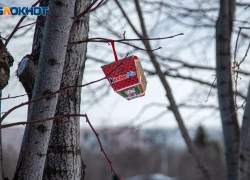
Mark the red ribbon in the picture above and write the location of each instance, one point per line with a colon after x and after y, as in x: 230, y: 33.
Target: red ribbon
x: 113, y: 47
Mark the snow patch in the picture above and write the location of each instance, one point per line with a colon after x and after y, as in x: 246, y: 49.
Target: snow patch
x: 156, y: 176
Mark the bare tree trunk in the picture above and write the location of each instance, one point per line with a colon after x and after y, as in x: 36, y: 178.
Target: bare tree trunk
x: 48, y: 79
x: 224, y: 83
x: 167, y: 88
x: 244, y: 157
x: 27, y: 68
x: 64, y: 155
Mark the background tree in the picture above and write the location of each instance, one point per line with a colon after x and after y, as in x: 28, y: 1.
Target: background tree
x: 200, y: 139
x: 230, y: 125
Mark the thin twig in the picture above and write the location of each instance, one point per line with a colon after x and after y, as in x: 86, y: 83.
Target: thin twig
x: 124, y: 41
x: 245, y: 55
x: 102, y: 150
x: 100, y: 39
x: 244, y: 27
x: 3, y: 38
x: 88, y: 10
x: 124, y: 33
x: 128, y: 20
x: 36, y: 22
x: 43, y: 97
x: 33, y: 121
x: 13, y: 97
x: 237, y: 64
x: 93, y: 9
x: 236, y: 90
x: 148, y: 50
x: 62, y: 118
x: 235, y: 49
x: 211, y: 89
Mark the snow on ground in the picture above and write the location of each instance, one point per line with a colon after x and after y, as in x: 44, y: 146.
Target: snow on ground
x: 156, y: 176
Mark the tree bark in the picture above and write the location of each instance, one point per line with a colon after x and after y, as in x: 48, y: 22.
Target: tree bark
x: 244, y: 155
x: 27, y: 69
x: 48, y: 79
x: 6, y: 61
x: 64, y: 155
x: 224, y: 84
x: 26, y: 73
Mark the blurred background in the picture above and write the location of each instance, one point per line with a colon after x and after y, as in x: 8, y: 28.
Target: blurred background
x: 141, y: 136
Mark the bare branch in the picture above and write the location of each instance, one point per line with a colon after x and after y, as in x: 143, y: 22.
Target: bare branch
x: 44, y: 97
x: 105, y: 40
x: 211, y: 89
x: 13, y: 97
x: 88, y: 9
x: 98, y: 5
x: 124, y: 41
x: 53, y: 93
x: 144, y: 108
x: 245, y: 55
x: 102, y: 150
x: 63, y: 118
x: 128, y: 20
x: 36, y: 22
x: 235, y: 49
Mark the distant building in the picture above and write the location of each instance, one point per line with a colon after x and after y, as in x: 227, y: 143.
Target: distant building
x: 111, y: 137
x: 120, y: 137
x: 154, y: 137
x: 123, y: 137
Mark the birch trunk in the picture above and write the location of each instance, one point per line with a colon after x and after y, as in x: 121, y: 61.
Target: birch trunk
x: 244, y: 157
x: 27, y: 70
x: 64, y: 155
x: 224, y: 83
x: 50, y: 67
